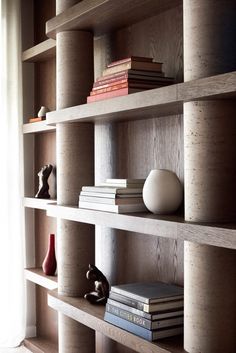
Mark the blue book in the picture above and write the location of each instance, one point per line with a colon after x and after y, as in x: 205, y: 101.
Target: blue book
x: 141, y: 331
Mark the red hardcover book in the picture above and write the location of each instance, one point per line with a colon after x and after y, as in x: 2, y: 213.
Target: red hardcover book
x: 34, y: 120
x: 131, y: 81
x: 131, y: 58
x: 113, y: 83
x: 138, y: 85
x: 109, y: 88
x: 112, y: 94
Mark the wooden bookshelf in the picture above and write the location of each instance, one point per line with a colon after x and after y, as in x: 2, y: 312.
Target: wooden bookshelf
x: 111, y: 15
x: 40, y: 345
x: 92, y: 316
x: 37, y: 276
x: 40, y: 52
x: 40, y: 204
x: 157, y: 102
x: 173, y: 227
x: 39, y: 126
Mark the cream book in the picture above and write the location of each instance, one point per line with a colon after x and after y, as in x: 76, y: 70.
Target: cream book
x: 113, y: 189
x: 113, y: 208
x: 109, y: 201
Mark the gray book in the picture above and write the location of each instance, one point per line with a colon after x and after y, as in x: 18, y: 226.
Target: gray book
x: 150, y: 292
x: 158, y: 315
x: 148, y: 308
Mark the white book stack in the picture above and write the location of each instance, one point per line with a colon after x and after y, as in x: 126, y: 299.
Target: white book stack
x: 115, y: 195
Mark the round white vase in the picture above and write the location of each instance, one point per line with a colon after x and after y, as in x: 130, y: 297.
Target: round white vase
x: 162, y: 191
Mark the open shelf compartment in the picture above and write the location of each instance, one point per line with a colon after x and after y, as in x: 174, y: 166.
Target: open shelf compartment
x: 170, y: 226
x: 148, y: 104
x: 92, y: 316
x: 101, y: 16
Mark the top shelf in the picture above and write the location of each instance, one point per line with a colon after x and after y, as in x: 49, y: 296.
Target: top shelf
x: 101, y: 16
x: 149, y: 104
x: 40, y: 52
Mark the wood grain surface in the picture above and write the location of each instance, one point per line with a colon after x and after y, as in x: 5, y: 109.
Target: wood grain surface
x: 40, y: 52
x: 111, y: 15
x: 131, y: 150
x: 92, y: 316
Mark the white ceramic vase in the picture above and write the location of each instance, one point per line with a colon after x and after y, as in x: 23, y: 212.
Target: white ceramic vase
x: 42, y: 112
x: 162, y: 191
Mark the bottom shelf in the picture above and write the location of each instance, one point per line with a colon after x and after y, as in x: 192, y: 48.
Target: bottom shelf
x: 92, y: 316
x: 40, y: 345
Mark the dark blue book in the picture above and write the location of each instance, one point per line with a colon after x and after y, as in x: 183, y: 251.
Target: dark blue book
x: 141, y: 331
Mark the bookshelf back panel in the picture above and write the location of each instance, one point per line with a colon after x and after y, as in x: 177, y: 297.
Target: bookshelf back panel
x: 132, y: 149
x: 45, y: 84
x: 43, y: 11
x: 47, y: 320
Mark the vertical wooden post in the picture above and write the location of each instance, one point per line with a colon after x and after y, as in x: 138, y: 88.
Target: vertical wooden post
x: 75, y: 167
x: 210, y: 169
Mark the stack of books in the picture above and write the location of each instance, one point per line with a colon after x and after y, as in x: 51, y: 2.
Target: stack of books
x: 115, y: 195
x: 127, y: 76
x: 149, y: 310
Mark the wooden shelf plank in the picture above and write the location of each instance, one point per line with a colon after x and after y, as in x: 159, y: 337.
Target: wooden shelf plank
x: 92, y: 316
x: 40, y: 52
x: 170, y: 226
x: 40, y: 345
x: 39, y: 126
x: 149, y: 104
x: 37, y: 276
x: 40, y: 204
x: 101, y: 16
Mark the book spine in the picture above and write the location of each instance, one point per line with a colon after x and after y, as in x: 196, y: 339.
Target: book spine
x: 129, y: 309
x: 115, y: 75
x: 110, y: 82
x: 128, y: 326
x: 34, y: 120
x: 109, y: 89
x: 138, y: 320
x: 112, y: 94
x: 132, y: 58
x: 127, y: 301
x: 134, y: 65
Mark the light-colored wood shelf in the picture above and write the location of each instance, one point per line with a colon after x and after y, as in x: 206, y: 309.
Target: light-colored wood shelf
x: 170, y: 226
x: 40, y: 204
x: 39, y: 126
x: 40, y: 52
x: 40, y: 345
x: 36, y: 275
x: 92, y: 316
x: 149, y: 104
x: 101, y: 16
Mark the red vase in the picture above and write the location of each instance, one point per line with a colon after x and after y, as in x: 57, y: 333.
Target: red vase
x: 50, y: 263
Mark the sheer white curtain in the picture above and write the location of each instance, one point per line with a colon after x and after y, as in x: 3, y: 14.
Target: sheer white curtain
x: 12, y: 307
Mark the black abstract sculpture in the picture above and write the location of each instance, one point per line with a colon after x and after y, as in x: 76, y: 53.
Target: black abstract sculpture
x: 101, y: 292
x: 43, y: 174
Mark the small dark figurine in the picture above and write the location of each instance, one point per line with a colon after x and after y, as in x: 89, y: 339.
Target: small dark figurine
x: 43, y: 174
x: 101, y: 293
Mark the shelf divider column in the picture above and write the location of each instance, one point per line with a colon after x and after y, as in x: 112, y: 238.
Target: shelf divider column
x: 75, y: 167
x: 210, y: 168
